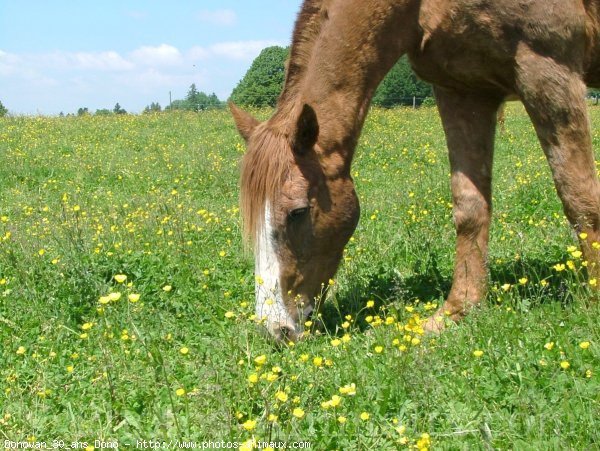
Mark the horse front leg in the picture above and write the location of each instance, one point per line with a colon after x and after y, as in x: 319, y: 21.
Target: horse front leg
x: 469, y: 124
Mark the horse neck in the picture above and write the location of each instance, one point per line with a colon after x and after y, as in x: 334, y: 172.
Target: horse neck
x: 358, y: 42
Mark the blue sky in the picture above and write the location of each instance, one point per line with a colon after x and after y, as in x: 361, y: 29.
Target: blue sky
x: 58, y: 55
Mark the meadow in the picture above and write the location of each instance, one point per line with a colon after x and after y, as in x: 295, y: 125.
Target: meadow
x: 126, y: 297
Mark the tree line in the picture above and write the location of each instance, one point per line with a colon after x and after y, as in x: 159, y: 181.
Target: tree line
x: 263, y: 82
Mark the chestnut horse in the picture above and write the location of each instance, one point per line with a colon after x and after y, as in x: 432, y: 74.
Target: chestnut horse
x: 297, y: 196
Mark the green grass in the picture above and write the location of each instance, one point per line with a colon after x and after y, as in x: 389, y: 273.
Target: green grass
x: 155, y: 198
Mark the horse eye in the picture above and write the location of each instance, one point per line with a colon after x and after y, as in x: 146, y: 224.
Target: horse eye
x: 297, y: 213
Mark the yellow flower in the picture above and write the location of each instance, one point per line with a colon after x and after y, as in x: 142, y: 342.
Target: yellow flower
x: 365, y: 416
x: 281, y: 396
x: 70, y: 368
x: 336, y: 342
x: 523, y: 280
x: 583, y: 235
x: 424, y: 442
x: 222, y: 254
x: 506, y: 287
x: 272, y: 377
x: 104, y: 300
x: 565, y: 365
x: 318, y: 361
x: 87, y: 326
x: 584, y: 344
x: 253, y: 378
x: 114, y: 296
x: 133, y: 297
x: 341, y: 419
x: 588, y: 373
x: 478, y: 353
x: 548, y: 346
x: 180, y: 391
x: 298, y: 412
x: 249, y: 425
x: 331, y: 282
x: 184, y: 350
x: 272, y: 418
x: 326, y: 404
x: 21, y: 350
x: 346, y: 338
x: 120, y: 278
x: 378, y: 349
x: 576, y: 254
x: 229, y: 315
x: 167, y: 288
x: 260, y: 360
x: 335, y: 401
x: 349, y: 389
x: 370, y: 304
x: 593, y: 282
x: 559, y: 267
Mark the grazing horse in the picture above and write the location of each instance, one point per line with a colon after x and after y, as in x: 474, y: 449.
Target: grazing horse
x: 297, y: 196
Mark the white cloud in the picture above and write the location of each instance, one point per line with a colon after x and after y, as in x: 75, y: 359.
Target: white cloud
x: 198, y: 53
x: 63, y: 81
x: 222, y: 17
x: 104, y: 61
x: 8, y: 63
x: 163, y: 55
x: 99, y: 61
x: 240, y: 50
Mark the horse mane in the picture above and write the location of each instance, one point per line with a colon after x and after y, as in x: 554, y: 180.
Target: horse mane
x: 267, y: 162
x: 265, y: 167
x: 306, y: 31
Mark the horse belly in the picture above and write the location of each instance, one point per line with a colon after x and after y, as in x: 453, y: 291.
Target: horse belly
x: 473, y: 44
x: 457, y: 64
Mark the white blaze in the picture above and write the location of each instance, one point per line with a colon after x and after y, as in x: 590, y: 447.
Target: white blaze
x: 269, y: 298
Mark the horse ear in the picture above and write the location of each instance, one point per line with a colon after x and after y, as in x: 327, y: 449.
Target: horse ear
x: 244, y: 122
x: 307, y: 130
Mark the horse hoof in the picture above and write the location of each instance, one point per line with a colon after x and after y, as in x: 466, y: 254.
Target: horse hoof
x: 435, y: 325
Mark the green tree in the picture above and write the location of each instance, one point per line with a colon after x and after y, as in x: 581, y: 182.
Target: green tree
x: 195, y: 101
x: 3, y: 110
x: 83, y: 111
x: 400, y: 86
x: 103, y: 112
x: 118, y: 109
x: 178, y: 104
x: 198, y: 100
x: 154, y: 107
x: 264, y: 80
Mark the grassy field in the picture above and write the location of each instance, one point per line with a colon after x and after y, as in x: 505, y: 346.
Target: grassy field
x: 126, y: 299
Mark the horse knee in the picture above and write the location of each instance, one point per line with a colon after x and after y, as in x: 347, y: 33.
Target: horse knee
x: 471, y: 214
x: 582, y: 206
